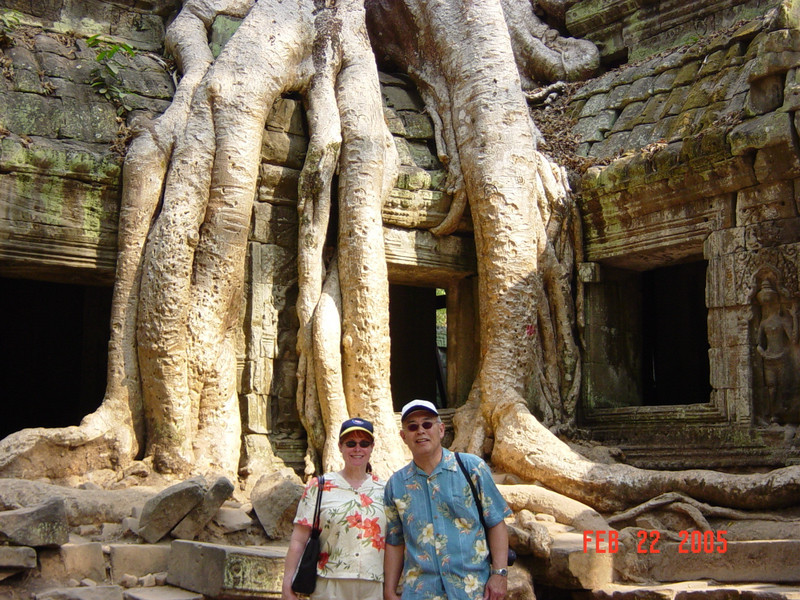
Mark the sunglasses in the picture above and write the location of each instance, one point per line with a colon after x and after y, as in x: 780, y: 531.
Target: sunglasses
x: 362, y: 443
x: 425, y: 425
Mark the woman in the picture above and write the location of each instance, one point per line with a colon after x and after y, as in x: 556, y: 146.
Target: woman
x: 352, y: 521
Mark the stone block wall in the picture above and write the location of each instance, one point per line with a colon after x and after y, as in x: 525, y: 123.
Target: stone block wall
x: 140, y: 23
x: 628, y: 30
x: 59, y: 171
x: 702, y: 163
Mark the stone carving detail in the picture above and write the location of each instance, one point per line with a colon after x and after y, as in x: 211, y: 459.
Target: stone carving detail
x: 777, y: 350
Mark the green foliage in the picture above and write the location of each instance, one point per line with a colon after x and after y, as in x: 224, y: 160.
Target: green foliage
x: 106, y: 79
x: 9, y: 21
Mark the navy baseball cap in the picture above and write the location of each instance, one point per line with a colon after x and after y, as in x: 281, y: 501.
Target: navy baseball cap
x: 356, y: 424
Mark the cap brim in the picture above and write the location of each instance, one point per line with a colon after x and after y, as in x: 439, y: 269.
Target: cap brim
x: 417, y: 409
x: 352, y: 429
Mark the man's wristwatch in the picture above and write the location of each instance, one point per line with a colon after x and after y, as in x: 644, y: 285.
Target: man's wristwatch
x: 503, y: 572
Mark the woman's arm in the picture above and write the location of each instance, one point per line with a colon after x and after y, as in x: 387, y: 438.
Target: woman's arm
x: 297, y: 544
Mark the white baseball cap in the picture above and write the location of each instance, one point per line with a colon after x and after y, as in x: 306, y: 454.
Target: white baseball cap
x: 415, y: 405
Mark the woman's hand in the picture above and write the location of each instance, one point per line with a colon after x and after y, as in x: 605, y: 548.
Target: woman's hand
x: 297, y: 544
x: 288, y: 594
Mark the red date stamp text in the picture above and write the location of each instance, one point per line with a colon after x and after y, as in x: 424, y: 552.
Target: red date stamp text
x: 648, y: 541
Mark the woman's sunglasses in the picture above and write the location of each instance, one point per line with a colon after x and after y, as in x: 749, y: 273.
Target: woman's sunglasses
x: 362, y: 443
x: 425, y: 425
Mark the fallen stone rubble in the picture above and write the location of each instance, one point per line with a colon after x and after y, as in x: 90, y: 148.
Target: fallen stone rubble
x: 59, y: 543
x: 193, y: 540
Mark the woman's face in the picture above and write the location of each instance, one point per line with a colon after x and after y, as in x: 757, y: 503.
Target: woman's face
x: 357, y: 455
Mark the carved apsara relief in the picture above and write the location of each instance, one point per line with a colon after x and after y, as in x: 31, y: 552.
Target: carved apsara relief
x: 776, y: 360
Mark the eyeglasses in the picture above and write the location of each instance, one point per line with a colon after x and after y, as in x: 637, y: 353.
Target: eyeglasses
x: 425, y: 425
x: 362, y: 443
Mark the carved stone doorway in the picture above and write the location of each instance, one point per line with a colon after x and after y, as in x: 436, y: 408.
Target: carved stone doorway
x: 647, y: 337
x: 675, y: 368
x: 412, y: 323
x: 433, y: 357
x: 54, y: 344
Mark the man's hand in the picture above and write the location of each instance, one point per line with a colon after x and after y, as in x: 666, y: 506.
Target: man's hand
x: 392, y: 568
x: 496, y: 588
x: 390, y: 595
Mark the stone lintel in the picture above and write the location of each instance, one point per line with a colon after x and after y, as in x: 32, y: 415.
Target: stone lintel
x: 661, y: 217
x: 64, y: 261
x: 220, y: 571
x: 421, y: 258
x: 415, y: 208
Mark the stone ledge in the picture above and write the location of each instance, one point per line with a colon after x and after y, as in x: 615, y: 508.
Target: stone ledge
x: 222, y: 571
x: 689, y: 590
x: 765, y: 561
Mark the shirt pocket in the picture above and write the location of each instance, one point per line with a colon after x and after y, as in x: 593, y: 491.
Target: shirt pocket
x: 465, y: 513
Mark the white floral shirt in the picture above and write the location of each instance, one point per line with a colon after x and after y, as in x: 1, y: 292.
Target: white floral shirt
x: 353, y: 527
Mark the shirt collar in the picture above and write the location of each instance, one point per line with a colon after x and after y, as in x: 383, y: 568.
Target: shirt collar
x: 448, y: 463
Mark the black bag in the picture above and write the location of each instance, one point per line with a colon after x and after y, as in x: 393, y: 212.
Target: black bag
x: 305, y: 577
x: 512, y: 556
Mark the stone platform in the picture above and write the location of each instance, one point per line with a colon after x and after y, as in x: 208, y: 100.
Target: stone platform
x: 693, y: 590
x: 187, y: 570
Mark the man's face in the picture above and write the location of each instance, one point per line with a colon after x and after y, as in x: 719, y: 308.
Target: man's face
x: 419, y: 439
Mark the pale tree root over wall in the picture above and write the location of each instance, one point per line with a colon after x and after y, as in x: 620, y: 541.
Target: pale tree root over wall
x: 189, y: 186
x: 189, y: 183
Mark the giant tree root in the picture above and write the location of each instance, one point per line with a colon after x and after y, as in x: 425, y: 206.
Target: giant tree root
x: 523, y: 446
x: 541, y: 500
x: 697, y: 511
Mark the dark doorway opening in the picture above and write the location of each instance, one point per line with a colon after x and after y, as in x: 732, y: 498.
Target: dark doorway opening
x: 415, y: 370
x: 675, y: 366
x: 54, y: 342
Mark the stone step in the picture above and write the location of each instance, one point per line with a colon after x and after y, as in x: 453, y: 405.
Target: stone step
x: 100, y: 592
x: 764, y: 561
x: 569, y: 566
x: 197, y: 570
x: 692, y: 590
x: 162, y: 592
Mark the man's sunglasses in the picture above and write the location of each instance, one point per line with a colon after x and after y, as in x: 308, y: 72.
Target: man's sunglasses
x: 362, y: 443
x: 425, y: 425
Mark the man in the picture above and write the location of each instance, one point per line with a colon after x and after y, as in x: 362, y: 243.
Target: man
x: 433, y: 531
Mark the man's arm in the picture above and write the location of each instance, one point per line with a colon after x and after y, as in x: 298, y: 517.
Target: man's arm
x: 497, y: 585
x: 392, y: 568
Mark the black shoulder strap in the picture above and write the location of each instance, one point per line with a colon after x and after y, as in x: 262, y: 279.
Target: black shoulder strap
x: 474, y: 491
x: 315, y: 528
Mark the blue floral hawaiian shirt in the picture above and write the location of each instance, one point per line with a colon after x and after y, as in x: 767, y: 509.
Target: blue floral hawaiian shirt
x: 436, y: 518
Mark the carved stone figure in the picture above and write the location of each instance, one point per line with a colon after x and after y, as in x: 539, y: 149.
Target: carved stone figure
x: 777, y: 355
